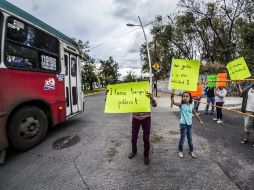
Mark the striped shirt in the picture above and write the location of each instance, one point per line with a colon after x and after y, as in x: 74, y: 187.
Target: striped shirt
x: 143, y: 115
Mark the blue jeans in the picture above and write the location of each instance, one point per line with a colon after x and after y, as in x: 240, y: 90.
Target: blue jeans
x: 196, y: 106
x: 210, y: 100
x: 185, y: 129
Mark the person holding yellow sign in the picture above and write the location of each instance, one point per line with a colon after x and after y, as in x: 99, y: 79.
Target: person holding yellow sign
x: 133, y: 98
x: 247, y: 107
x: 143, y: 119
x: 186, y: 111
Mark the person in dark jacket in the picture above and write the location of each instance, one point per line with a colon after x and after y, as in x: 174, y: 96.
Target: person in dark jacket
x: 210, y: 99
x: 247, y: 107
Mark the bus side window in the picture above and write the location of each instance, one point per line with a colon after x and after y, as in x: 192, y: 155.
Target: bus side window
x: 66, y: 65
x: 20, y: 57
x: 73, y: 67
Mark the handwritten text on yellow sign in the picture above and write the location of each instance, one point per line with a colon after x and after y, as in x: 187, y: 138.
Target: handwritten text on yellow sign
x: 128, y: 97
x: 185, y: 74
x: 238, y: 69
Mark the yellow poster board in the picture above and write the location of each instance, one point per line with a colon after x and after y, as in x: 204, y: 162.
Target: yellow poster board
x: 128, y: 97
x: 184, y: 74
x: 238, y: 69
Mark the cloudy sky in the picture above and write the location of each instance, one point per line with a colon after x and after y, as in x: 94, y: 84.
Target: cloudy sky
x: 102, y: 21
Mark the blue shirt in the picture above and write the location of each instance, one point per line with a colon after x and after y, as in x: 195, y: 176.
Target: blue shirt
x: 186, y: 114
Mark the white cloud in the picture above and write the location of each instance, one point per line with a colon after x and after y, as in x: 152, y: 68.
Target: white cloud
x: 124, y: 72
x: 98, y: 21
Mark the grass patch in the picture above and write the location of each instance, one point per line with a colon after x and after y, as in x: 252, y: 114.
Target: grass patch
x: 93, y: 91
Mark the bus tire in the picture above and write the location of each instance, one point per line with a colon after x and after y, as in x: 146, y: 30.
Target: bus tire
x: 27, y: 128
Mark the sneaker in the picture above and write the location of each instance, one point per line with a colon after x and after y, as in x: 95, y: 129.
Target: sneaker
x: 215, y: 119
x: 193, y: 155
x: 180, y: 154
x: 219, y: 121
x: 211, y: 113
x: 206, y: 113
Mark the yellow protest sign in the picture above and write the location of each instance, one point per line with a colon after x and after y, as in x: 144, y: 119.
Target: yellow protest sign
x: 128, y: 97
x: 184, y: 74
x: 238, y: 69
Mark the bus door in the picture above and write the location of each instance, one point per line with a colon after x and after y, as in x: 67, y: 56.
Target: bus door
x: 71, y: 91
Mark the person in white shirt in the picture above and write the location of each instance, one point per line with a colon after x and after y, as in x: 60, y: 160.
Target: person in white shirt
x: 247, y: 107
x: 220, y: 94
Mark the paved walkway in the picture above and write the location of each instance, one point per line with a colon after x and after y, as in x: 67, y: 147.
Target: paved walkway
x: 230, y: 102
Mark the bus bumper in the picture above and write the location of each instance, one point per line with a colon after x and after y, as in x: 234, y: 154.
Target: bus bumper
x: 3, y: 134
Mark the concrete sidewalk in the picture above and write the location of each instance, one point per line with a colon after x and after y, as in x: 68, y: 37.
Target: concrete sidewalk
x: 164, y: 101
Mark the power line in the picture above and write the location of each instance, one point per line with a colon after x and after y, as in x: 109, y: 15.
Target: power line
x: 126, y: 33
x: 114, y: 38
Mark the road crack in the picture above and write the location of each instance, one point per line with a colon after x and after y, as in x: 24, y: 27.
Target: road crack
x: 79, y: 172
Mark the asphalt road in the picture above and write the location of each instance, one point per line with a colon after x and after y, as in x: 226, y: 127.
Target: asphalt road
x: 100, y: 159
x: 235, y: 159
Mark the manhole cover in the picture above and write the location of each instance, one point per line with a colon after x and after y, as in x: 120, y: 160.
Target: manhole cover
x: 65, y: 142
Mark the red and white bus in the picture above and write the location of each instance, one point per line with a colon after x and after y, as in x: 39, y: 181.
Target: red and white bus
x: 40, y: 78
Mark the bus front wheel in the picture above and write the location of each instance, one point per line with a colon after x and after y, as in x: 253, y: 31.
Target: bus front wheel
x: 27, y: 128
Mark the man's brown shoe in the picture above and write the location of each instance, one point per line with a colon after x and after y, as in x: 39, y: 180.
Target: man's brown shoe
x: 132, y: 154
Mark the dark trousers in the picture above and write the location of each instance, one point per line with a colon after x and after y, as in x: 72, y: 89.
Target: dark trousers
x: 219, y: 110
x: 146, y: 125
x: 210, y: 100
x: 185, y: 129
x: 196, y: 106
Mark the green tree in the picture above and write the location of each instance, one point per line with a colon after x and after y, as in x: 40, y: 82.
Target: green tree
x: 219, y: 18
x: 88, y: 73
x: 89, y: 76
x: 108, y: 72
x: 82, y: 49
x: 130, y: 77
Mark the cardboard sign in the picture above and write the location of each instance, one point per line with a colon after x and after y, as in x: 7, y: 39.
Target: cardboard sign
x: 128, y: 97
x: 221, y: 77
x: 185, y: 74
x: 238, y: 69
x: 198, y: 92
x: 211, y: 77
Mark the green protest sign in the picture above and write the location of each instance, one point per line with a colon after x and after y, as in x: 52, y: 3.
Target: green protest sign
x: 238, y: 69
x: 185, y: 74
x: 211, y: 77
x: 128, y: 97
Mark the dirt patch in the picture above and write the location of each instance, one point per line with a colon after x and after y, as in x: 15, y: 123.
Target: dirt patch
x: 172, y: 132
x: 112, y: 149
x: 156, y: 138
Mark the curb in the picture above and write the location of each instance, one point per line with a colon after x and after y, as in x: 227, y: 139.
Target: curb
x: 85, y: 95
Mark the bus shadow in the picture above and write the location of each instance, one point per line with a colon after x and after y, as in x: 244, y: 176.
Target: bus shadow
x: 53, y: 131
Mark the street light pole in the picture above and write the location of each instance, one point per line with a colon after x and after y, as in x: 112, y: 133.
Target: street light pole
x: 149, y: 58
